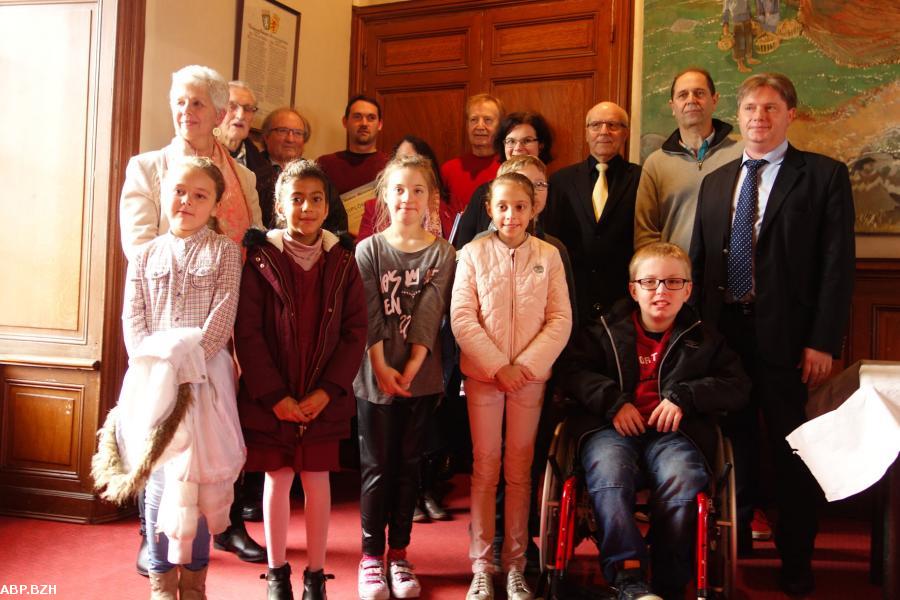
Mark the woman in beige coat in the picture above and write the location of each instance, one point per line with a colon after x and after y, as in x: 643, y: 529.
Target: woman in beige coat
x: 198, y: 98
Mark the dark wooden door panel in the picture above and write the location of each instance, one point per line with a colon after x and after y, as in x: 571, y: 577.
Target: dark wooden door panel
x: 434, y: 114
x: 563, y: 102
x: 424, y: 57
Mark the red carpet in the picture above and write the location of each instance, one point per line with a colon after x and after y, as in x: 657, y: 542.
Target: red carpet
x: 88, y: 562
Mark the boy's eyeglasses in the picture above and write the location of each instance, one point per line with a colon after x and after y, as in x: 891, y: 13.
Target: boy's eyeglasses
x: 652, y: 283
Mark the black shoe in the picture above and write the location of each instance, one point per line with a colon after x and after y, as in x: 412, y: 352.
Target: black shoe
x: 279, y: 583
x: 435, y: 511
x: 314, y: 584
x: 235, y: 539
x: 142, y: 564
x: 796, y: 582
x: 631, y: 585
x: 252, y: 511
x: 532, y: 558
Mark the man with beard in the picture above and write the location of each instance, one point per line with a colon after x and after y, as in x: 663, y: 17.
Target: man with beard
x: 361, y: 161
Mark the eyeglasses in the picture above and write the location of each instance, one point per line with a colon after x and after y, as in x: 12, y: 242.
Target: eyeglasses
x: 513, y: 142
x: 541, y: 186
x: 652, y: 283
x: 248, y: 108
x: 611, y: 126
x: 284, y: 131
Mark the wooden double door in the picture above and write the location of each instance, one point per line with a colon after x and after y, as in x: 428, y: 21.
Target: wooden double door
x: 422, y: 59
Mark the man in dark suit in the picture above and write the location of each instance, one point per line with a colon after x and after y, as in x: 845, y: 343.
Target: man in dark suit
x: 591, y: 210
x: 773, y: 258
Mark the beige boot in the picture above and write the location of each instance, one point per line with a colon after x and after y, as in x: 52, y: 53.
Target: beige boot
x: 164, y: 586
x: 192, y: 584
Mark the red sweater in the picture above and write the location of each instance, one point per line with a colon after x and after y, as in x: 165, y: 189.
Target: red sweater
x: 649, y: 352
x: 462, y: 176
x: 349, y: 170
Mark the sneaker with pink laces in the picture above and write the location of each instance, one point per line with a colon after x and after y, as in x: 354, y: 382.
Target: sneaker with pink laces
x: 371, y: 582
x: 404, y: 583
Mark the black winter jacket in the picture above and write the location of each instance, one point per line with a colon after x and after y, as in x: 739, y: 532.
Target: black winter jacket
x: 698, y: 372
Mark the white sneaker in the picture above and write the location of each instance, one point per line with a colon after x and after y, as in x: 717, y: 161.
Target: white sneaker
x: 481, y: 588
x: 404, y: 583
x: 371, y: 583
x: 516, y: 586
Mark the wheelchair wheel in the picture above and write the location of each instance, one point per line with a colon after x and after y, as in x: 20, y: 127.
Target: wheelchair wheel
x: 560, y: 465
x: 722, y: 534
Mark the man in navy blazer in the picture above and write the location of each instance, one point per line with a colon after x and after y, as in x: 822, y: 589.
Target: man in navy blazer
x: 790, y: 323
x: 600, y: 248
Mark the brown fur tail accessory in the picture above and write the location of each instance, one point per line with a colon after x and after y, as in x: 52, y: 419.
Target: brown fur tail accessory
x: 111, y: 479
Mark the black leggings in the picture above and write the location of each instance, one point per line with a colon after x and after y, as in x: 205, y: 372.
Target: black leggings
x: 391, y: 442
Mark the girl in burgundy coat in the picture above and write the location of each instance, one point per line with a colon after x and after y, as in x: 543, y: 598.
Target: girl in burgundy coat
x: 300, y: 335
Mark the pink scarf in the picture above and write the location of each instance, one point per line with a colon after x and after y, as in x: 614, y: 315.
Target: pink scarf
x: 233, y: 215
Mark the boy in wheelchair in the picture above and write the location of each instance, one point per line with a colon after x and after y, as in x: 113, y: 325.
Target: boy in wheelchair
x: 649, y: 379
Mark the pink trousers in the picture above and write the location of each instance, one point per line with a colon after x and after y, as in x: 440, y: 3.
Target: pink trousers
x: 488, y: 407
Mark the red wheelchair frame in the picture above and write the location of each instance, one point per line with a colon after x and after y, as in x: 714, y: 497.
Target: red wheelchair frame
x: 567, y: 519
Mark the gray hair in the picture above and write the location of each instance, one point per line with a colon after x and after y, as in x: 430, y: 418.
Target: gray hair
x: 267, y: 122
x: 243, y: 85
x: 202, y: 76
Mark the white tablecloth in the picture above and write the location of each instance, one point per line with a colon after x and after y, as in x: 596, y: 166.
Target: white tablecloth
x: 849, y: 448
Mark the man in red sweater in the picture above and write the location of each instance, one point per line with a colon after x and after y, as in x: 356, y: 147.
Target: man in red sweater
x: 361, y: 162
x: 463, y: 174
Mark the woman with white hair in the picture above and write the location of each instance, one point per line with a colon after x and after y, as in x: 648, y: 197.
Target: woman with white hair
x: 198, y: 99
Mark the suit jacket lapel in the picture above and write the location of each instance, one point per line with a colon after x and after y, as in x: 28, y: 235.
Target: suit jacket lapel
x: 583, y: 191
x: 723, y: 197
x: 790, y: 171
x: 616, y: 185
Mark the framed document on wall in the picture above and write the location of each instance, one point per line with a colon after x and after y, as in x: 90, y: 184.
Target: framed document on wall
x: 266, y: 51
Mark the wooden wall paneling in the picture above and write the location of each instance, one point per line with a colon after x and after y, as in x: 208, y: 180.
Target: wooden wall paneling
x: 56, y: 385
x: 45, y: 259
x: 875, y: 311
x: 886, y: 338
x: 42, y: 422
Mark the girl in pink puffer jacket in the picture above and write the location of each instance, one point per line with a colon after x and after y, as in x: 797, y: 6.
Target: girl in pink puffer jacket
x: 511, y: 315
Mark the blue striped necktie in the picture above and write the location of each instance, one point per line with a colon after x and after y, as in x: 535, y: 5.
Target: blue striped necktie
x: 740, y: 248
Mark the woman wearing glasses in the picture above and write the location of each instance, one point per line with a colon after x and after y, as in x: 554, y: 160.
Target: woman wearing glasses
x: 198, y: 99
x: 520, y: 133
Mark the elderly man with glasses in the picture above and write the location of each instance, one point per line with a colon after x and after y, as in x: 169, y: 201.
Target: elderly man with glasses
x: 591, y: 210
x: 286, y: 132
x: 234, y: 132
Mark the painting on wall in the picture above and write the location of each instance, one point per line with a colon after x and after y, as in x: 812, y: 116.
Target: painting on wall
x: 842, y: 55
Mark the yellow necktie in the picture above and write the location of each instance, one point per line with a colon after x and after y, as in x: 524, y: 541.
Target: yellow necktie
x: 600, y: 193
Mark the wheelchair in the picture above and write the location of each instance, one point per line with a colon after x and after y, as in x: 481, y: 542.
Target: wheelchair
x: 567, y: 518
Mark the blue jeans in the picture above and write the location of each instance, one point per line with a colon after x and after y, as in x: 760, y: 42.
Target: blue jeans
x: 674, y: 470
x: 159, y: 543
